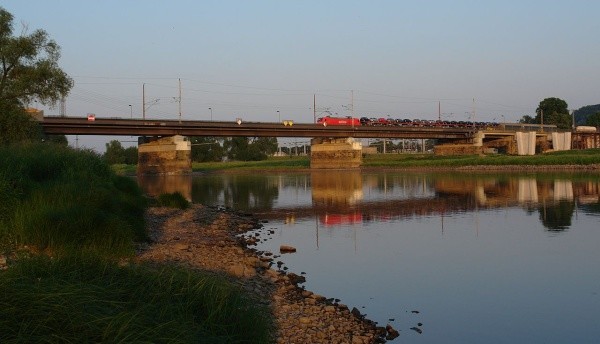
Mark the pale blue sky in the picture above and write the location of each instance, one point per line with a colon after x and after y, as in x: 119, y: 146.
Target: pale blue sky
x: 250, y: 59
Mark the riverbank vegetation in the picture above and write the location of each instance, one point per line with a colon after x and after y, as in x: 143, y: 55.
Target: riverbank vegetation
x: 273, y: 163
x: 60, y: 200
x: 68, y: 224
x: 573, y: 157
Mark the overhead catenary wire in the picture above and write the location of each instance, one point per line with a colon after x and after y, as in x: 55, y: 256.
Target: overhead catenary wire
x: 268, y: 98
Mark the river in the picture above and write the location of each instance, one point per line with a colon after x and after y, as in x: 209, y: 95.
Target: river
x: 442, y: 257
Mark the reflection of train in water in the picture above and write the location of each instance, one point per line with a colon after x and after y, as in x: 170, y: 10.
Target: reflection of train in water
x: 341, y: 219
x: 425, y: 123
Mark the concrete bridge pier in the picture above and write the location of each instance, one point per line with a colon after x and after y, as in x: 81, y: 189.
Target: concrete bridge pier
x: 526, y: 142
x: 561, y: 141
x: 335, y: 153
x: 170, y: 155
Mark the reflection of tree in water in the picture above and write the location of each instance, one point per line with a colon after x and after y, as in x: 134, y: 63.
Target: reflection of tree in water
x: 207, y: 189
x: 243, y: 192
x: 592, y: 209
x: 557, y: 217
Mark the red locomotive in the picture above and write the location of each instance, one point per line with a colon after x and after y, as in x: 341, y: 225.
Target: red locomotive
x: 328, y: 120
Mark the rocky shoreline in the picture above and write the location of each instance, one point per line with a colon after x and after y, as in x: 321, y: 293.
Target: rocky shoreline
x: 219, y: 240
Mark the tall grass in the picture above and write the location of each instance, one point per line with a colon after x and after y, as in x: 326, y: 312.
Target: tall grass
x: 75, y: 300
x: 69, y: 205
x: 58, y: 199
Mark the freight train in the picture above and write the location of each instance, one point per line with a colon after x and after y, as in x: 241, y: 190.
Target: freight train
x: 366, y: 121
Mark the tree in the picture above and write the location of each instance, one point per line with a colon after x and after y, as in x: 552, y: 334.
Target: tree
x: 28, y: 71
x: 57, y: 140
x: 526, y: 119
x: 561, y: 120
x: 554, y: 111
x: 131, y: 155
x: 549, y: 106
x: 115, y: 153
x: 245, y: 149
x: 593, y: 120
x: 206, y: 149
x: 267, y: 145
x: 16, y: 125
x: 584, y: 112
x: 29, y: 67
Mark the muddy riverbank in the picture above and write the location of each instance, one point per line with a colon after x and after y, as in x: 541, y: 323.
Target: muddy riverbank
x: 220, y: 241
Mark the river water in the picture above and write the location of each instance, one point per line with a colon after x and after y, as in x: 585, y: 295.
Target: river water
x: 444, y: 258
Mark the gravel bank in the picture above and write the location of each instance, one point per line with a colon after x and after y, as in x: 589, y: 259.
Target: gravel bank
x: 216, y: 240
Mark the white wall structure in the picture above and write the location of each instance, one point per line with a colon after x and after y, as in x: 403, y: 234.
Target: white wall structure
x: 561, y: 141
x: 525, y: 143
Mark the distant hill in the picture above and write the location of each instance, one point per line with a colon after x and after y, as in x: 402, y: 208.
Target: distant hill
x: 582, y: 113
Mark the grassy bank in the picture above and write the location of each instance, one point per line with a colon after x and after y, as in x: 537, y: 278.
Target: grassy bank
x: 69, y: 205
x: 273, y: 163
x: 575, y: 157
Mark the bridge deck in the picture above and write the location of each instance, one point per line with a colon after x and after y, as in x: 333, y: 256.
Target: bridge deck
x: 139, y: 127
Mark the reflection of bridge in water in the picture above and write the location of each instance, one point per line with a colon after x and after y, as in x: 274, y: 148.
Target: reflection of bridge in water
x: 337, y: 197
x: 343, y: 197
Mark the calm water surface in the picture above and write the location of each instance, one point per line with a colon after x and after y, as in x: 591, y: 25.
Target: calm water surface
x: 471, y: 258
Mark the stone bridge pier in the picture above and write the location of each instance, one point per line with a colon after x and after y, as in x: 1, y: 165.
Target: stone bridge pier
x: 332, y: 153
x: 170, y: 155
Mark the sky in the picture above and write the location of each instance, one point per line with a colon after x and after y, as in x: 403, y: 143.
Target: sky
x: 266, y: 60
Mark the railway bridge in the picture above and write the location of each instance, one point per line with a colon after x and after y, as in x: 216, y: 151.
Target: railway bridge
x: 164, y: 150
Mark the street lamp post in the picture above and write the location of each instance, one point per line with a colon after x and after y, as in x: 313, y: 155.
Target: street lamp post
x: 279, y: 115
x: 211, y: 118
x: 130, y: 111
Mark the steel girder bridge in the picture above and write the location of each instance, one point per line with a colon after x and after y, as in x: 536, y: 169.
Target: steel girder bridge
x: 156, y: 127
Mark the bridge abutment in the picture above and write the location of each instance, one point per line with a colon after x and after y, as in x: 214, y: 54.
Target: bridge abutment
x: 331, y: 153
x: 170, y: 155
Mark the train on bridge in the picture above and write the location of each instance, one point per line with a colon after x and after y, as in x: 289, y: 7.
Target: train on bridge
x: 415, y: 123
x: 426, y: 123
